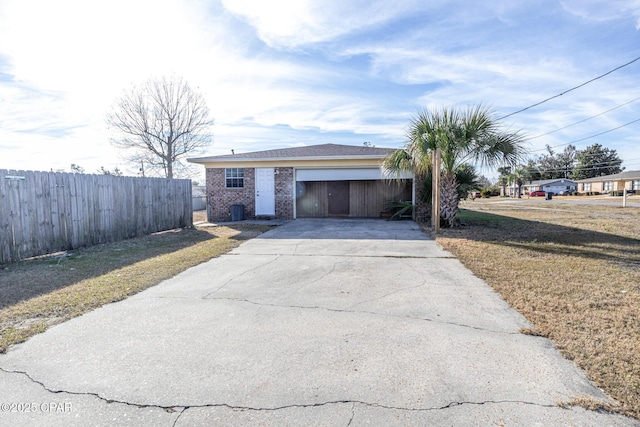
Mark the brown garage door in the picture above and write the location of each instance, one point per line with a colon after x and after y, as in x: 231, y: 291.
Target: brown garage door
x: 338, y: 198
x: 361, y: 199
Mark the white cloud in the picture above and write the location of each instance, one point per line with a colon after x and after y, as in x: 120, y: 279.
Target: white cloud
x: 289, y: 24
x: 597, y: 10
x: 297, y: 72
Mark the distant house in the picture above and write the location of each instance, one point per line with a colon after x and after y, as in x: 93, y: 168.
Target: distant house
x: 551, y: 186
x: 629, y: 180
x: 313, y: 181
x: 548, y: 185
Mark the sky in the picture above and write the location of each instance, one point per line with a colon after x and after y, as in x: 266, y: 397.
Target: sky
x: 291, y: 73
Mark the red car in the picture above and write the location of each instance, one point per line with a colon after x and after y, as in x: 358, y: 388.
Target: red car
x: 538, y: 193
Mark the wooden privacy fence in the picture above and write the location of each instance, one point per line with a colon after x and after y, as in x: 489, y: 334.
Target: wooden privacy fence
x: 46, y: 212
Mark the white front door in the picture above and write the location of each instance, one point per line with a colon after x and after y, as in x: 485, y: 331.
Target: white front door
x: 265, y: 192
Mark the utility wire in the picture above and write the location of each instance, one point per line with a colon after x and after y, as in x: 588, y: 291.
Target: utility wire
x: 569, y: 90
x: 577, y: 151
x: 599, y: 165
x: 589, y: 137
x: 592, y: 166
x: 584, y: 120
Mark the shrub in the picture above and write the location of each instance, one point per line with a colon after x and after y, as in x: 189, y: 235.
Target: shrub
x: 399, y: 209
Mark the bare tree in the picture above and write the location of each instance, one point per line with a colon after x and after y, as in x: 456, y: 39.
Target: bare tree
x: 160, y: 122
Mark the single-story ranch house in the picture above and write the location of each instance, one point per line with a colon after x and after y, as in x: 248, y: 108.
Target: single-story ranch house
x: 547, y: 185
x: 629, y: 180
x: 551, y: 186
x: 313, y: 181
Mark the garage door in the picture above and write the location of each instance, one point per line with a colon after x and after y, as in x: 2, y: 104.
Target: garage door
x: 353, y: 198
x: 338, y: 198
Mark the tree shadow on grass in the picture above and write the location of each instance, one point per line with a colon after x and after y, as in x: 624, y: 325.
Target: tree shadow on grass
x: 27, y: 279
x: 546, y: 238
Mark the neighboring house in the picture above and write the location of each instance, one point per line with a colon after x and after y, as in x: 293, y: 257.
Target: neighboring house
x: 313, y: 181
x: 629, y: 181
x: 548, y: 185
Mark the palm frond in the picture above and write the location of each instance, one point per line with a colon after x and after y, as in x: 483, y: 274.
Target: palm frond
x: 399, y: 209
x: 396, y: 164
x: 463, y: 136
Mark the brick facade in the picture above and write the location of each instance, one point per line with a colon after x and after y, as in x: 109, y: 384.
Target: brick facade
x: 221, y: 198
x: 284, y: 186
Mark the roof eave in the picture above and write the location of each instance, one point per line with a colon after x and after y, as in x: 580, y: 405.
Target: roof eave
x: 284, y: 159
x: 610, y: 178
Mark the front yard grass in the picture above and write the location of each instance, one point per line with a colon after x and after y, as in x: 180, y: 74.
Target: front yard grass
x: 38, y: 293
x: 571, y: 270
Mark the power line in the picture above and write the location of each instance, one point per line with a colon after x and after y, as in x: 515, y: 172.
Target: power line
x: 569, y: 90
x: 566, y: 171
x: 582, y: 121
x: 570, y: 168
x: 582, y: 153
x: 599, y: 165
x: 589, y: 137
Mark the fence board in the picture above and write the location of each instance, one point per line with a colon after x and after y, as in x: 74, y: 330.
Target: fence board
x: 5, y: 214
x: 65, y: 193
x: 48, y: 212
x: 44, y: 214
x: 56, y: 224
x: 20, y: 216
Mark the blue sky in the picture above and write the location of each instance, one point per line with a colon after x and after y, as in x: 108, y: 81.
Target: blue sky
x: 288, y: 73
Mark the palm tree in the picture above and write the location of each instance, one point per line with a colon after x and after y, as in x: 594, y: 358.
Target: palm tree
x: 469, y: 136
x: 518, y: 177
x: 504, y: 172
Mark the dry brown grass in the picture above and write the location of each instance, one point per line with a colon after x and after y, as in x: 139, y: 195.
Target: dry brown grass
x: 573, y: 271
x: 199, y: 216
x: 38, y: 293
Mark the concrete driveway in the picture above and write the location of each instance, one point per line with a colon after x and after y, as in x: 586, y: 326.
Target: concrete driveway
x: 317, y: 322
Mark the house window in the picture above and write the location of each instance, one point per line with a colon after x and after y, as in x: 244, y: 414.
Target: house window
x: 636, y: 185
x: 586, y: 186
x: 234, y: 177
x: 607, y: 186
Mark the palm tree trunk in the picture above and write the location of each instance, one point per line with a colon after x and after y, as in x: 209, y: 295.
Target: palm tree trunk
x: 449, y: 198
x: 422, y: 210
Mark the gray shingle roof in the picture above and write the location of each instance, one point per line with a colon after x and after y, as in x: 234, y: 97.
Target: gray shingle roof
x: 628, y: 175
x: 549, y: 181
x: 323, y: 150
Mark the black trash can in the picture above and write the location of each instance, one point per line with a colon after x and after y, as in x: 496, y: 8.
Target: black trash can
x: 237, y: 212
x: 548, y: 196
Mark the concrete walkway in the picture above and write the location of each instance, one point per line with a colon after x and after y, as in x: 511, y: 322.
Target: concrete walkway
x: 317, y: 322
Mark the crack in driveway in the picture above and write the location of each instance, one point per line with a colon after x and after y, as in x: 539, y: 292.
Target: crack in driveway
x: 336, y: 255
x: 182, y: 407
x: 243, y: 273
x: 317, y: 279
x: 395, y: 291
x: 348, y: 310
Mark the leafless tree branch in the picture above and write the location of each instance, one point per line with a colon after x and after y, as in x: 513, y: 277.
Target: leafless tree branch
x: 160, y: 122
